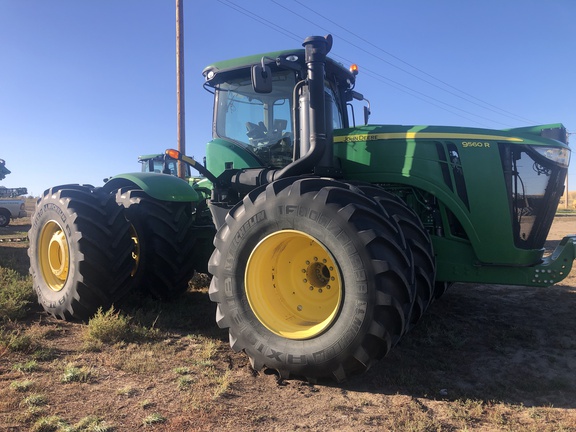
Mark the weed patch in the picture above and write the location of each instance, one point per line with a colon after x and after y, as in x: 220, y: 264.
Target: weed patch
x: 16, y: 294
x: 35, y: 400
x: 110, y: 327
x: 138, y: 359
x: 47, y: 424
x: 153, y: 419
x: 22, y: 386
x: 29, y: 366
x: 73, y: 374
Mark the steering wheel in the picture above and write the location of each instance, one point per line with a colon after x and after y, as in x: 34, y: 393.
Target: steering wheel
x: 256, y: 131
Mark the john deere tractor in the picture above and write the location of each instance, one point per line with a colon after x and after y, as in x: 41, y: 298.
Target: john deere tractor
x: 326, y: 241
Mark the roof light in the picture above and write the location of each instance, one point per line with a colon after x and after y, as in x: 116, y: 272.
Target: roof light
x: 354, y: 69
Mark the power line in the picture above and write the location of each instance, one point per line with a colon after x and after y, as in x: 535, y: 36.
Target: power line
x: 423, y: 97
x: 379, y: 77
x: 488, y: 106
x: 261, y: 20
x: 401, y: 87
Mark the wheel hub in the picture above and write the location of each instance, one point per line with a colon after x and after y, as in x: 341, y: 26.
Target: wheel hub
x: 54, y: 256
x: 318, y: 274
x: 293, y: 285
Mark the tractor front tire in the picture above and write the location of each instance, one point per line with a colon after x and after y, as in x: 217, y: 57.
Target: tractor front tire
x: 80, y: 251
x: 308, y: 280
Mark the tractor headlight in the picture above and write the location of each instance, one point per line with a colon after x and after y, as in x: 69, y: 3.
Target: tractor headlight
x: 561, y: 156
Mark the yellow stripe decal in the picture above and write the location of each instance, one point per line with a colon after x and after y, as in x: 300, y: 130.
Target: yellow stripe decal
x: 423, y: 135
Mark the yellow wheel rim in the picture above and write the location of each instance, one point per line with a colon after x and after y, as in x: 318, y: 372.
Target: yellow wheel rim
x: 54, y: 256
x: 135, y: 251
x: 293, y: 285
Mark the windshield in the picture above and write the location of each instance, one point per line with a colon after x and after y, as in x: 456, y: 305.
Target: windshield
x: 261, y: 122
x: 535, y: 185
x: 162, y: 164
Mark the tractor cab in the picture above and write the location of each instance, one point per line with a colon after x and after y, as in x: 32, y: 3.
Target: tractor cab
x: 161, y: 163
x: 269, y: 126
x: 259, y: 123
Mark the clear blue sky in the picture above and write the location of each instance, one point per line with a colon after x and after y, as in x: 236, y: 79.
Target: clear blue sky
x: 86, y: 86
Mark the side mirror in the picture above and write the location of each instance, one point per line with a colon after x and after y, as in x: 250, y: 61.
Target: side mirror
x: 360, y: 97
x: 366, y: 114
x: 262, y: 78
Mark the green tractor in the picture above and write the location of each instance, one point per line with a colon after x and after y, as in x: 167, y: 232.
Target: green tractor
x: 160, y: 163
x: 326, y: 241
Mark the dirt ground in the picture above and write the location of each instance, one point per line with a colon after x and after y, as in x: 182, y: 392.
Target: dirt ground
x: 484, y: 357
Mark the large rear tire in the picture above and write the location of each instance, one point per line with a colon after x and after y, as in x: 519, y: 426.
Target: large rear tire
x: 80, y: 251
x: 164, y: 239
x: 418, y: 241
x: 310, y: 279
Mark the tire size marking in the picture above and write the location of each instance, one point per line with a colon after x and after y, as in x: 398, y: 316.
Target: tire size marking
x: 297, y: 210
x: 301, y: 211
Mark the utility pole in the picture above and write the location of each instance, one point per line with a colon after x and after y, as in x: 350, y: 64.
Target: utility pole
x: 181, y: 129
x: 566, y: 193
x: 567, y: 190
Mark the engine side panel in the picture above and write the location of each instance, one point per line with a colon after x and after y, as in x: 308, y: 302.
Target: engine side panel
x: 459, y: 168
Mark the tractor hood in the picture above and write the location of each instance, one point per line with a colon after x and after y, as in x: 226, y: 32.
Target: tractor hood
x: 547, y: 135
x: 503, y: 186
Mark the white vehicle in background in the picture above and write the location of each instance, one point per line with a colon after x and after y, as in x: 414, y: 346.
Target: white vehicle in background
x: 11, y: 209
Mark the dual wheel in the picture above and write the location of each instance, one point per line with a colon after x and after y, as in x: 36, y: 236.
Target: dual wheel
x: 89, y: 247
x: 318, y: 278
x: 313, y: 277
